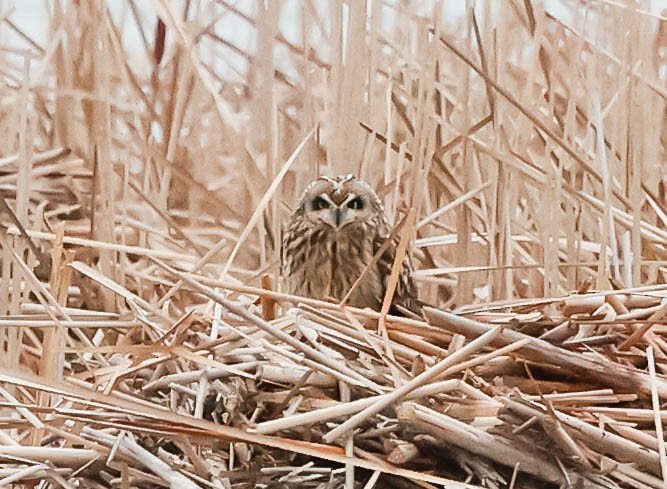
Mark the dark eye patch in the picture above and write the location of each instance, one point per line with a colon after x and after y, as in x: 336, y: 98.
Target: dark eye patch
x: 319, y: 203
x: 356, y: 203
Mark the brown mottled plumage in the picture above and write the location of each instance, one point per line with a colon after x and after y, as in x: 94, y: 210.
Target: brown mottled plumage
x: 336, y: 229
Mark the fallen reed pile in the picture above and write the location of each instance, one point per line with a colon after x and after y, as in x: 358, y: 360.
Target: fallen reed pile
x: 150, y: 154
x: 561, y: 391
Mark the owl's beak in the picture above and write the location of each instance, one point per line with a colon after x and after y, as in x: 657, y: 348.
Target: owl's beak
x: 337, y: 217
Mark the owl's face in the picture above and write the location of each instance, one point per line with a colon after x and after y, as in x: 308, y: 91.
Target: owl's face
x: 337, y: 202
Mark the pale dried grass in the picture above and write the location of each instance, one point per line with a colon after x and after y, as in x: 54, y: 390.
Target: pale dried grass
x: 144, y: 186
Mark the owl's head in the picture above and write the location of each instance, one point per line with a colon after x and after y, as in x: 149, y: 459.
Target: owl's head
x: 339, y: 201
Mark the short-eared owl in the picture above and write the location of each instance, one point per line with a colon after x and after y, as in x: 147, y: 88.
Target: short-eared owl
x: 336, y: 229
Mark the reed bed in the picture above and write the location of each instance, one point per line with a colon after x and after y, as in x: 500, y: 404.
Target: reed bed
x: 150, y: 154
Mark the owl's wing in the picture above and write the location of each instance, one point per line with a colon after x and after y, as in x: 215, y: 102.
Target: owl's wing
x: 405, y: 295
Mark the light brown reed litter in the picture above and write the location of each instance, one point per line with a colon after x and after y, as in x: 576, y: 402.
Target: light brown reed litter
x: 143, y: 187
x: 411, y: 402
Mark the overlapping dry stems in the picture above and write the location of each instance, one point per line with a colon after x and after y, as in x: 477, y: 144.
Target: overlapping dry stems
x: 150, y: 153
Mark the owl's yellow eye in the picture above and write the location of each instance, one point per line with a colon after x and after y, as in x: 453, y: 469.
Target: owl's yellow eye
x: 319, y: 203
x: 356, y: 203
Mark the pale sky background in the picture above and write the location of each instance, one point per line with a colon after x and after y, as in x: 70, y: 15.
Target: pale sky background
x: 31, y: 15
